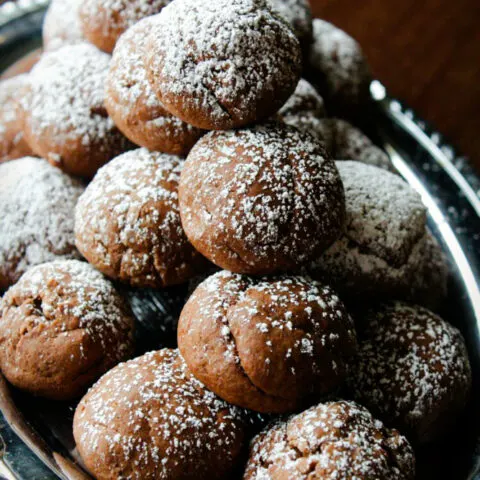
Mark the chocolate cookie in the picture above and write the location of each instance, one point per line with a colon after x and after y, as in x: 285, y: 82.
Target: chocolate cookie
x: 61, y: 25
x: 335, y: 440
x: 61, y: 327
x: 267, y: 344
x: 299, y: 15
x: 37, y: 202
x: 384, y: 245
x: 412, y: 370
x: 134, y: 107
x: 150, y: 418
x: 346, y: 142
x: 104, y: 21
x: 65, y: 120
x: 224, y: 63
x: 304, y: 108
x: 127, y: 223
x: 339, y: 71
x: 260, y: 200
x: 12, y: 143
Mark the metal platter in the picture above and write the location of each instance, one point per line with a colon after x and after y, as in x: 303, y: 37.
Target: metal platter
x: 35, y: 435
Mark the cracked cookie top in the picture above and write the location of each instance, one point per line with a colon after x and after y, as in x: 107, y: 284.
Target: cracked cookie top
x: 150, y: 418
x: 65, y: 120
x: 385, y: 236
x: 412, y: 369
x: 260, y: 200
x: 223, y: 63
x: 104, y: 21
x: 133, y: 105
x: 37, y: 202
x: 267, y: 344
x: 332, y: 441
x: 62, y: 326
x: 127, y: 223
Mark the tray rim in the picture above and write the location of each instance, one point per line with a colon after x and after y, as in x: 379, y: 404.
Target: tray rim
x: 429, y: 138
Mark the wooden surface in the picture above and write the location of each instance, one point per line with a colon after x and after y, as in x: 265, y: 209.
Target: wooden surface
x: 427, y: 53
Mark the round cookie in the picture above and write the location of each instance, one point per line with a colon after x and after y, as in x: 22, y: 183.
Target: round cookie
x: 384, y: 241
x: 335, y: 440
x: 61, y: 25
x: 127, y: 223
x: 224, y: 63
x: 260, y: 200
x: 65, y: 120
x: 12, y: 143
x: 37, y: 203
x: 339, y: 71
x: 134, y: 107
x: 177, y: 429
x: 268, y: 344
x: 412, y: 369
x: 62, y: 326
x: 104, y: 21
x: 299, y: 15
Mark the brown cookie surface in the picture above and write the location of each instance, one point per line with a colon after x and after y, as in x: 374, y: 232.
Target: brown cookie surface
x: 104, y: 21
x: 335, y: 440
x: 299, y: 15
x: 260, y: 200
x: 133, y: 105
x: 37, y: 203
x: 62, y: 326
x: 338, y: 69
x: 266, y: 344
x: 65, y: 120
x: 127, y: 223
x: 12, y: 141
x: 224, y: 63
x: 150, y: 418
x: 412, y: 369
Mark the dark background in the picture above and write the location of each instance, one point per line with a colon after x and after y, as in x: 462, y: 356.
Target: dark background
x: 427, y: 53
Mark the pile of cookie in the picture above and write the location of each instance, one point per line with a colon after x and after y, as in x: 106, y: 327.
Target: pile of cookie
x: 158, y: 141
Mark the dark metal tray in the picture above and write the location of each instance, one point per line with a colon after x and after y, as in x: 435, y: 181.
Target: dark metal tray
x: 35, y: 435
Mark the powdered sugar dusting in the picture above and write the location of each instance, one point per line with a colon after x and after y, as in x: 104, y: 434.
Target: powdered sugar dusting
x: 37, y: 204
x: 294, y: 321
x: 12, y: 142
x: 304, y: 101
x: 71, y: 295
x: 150, y: 417
x: 128, y: 221
x: 298, y: 15
x: 116, y: 16
x: 334, y: 440
x: 222, y: 63
x: 385, y: 234
x: 65, y: 106
x: 412, y: 368
x: 132, y: 102
x: 61, y: 25
x: 266, y: 198
x: 338, y: 60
